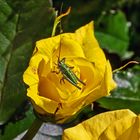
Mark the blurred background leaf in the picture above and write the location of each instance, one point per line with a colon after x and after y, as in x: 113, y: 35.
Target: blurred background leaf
x: 13, y: 129
x: 113, y: 33
x: 22, y: 23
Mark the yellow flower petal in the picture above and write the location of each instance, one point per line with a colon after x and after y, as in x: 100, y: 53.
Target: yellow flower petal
x: 43, y: 68
x: 105, y: 126
x: 118, y: 128
x: 104, y: 88
x: 46, y: 47
x: 88, y: 70
x: 85, y: 36
x: 70, y: 47
x: 133, y: 132
x: 40, y: 101
x: 30, y: 76
x: 47, y: 89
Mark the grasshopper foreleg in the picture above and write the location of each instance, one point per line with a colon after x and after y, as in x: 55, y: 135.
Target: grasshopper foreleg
x: 57, y: 72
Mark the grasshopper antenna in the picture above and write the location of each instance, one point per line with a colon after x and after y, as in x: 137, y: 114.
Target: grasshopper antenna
x: 61, y: 31
x: 59, y: 49
x: 60, y: 25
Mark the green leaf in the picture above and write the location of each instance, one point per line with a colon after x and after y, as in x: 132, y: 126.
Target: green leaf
x: 127, y: 95
x: 113, y: 34
x: 13, y: 129
x: 22, y: 23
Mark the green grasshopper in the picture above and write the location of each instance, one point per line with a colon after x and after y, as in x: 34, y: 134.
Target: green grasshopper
x: 67, y: 72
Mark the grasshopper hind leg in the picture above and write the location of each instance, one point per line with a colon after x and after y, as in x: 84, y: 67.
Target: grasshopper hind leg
x: 81, y: 82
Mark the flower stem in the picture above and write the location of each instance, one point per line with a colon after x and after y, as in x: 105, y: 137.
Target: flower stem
x: 32, y: 130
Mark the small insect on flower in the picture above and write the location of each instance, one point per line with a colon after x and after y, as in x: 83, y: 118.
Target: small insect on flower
x: 67, y: 72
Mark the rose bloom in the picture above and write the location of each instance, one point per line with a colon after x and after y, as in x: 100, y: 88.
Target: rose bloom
x: 49, y: 91
x: 113, y: 125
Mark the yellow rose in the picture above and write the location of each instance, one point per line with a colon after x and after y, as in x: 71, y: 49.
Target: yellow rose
x: 82, y: 52
x: 113, y: 125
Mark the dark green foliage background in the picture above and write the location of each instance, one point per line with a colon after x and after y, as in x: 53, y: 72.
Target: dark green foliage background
x: 23, y: 22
